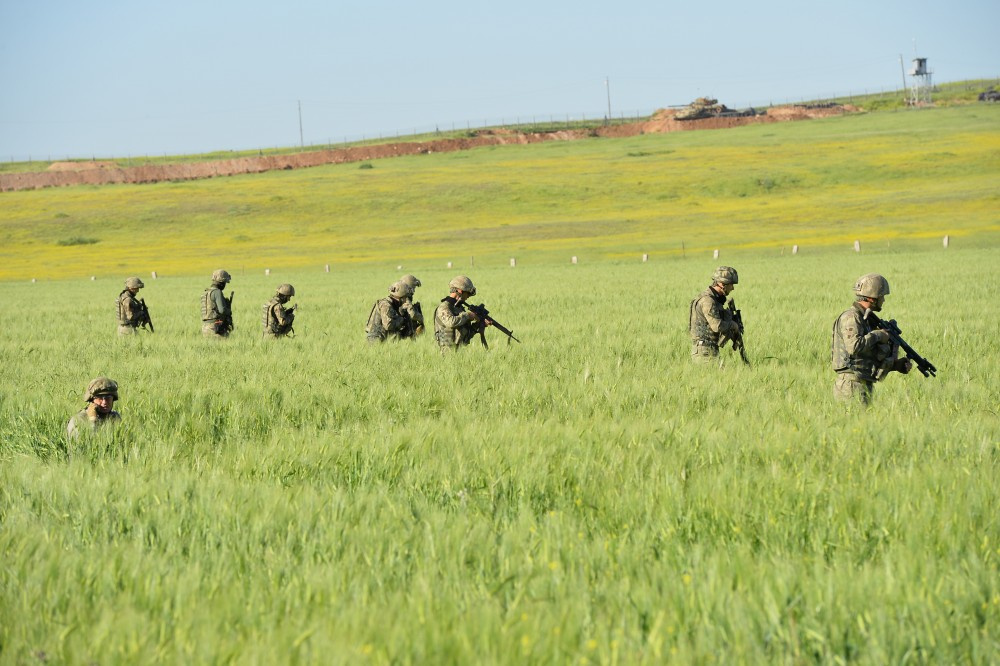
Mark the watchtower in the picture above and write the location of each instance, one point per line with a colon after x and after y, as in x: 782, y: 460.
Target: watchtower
x: 920, y: 91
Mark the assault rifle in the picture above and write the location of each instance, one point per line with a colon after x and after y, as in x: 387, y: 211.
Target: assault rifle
x: 738, y: 341
x: 414, y: 324
x: 925, y: 367
x: 144, y: 319
x: 227, y: 323
x: 482, y: 318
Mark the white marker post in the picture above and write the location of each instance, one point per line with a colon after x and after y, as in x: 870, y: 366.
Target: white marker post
x: 645, y: 258
x: 573, y: 260
x: 945, y: 241
x: 795, y: 249
x: 857, y: 246
x: 715, y: 255
x: 513, y: 263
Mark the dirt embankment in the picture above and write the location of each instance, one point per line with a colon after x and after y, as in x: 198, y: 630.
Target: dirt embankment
x: 105, y: 173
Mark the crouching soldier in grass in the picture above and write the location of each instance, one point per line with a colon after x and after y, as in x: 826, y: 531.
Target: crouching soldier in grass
x: 710, y: 320
x: 861, y: 353
x: 454, y: 326
x: 277, y: 318
x: 418, y: 313
x: 392, y: 318
x: 100, y: 395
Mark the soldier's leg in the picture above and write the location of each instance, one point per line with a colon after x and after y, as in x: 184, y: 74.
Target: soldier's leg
x: 851, y: 389
x: 704, y: 354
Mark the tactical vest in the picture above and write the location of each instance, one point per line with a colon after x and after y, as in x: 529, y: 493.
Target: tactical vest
x: 373, y: 329
x: 122, y: 319
x: 868, y: 366
x: 698, y: 326
x: 270, y: 320
x: 208, y: 310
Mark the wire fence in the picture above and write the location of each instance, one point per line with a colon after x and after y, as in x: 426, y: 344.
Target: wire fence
x: 569, y: 121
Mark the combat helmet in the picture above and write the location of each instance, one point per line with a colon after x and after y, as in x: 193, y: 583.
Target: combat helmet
x: 410, y: 280
x: 101, y: 386
x: 401, y: 290
x: 871, y: 285
x: 725, y: 275
x: 133, y: 283
x: 221, y: 276
x: 463, y: 284
x: 286, y: 290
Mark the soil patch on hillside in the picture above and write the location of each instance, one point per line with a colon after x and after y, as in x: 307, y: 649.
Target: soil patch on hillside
x: 61, y: 174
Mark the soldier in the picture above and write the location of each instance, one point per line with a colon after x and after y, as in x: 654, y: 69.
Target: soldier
x: 131, y: 313
x: 277, y: 318
x: 393, y: 316
x: 862, y: 354
x: 216, y: 309
x: 101, y: 395
x: 710, y: 322
x: 418, y: 313
x: 453, y: 324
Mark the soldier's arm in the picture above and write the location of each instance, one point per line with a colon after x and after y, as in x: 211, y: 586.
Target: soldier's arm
x: 282, y: 316
x: 221, y: 304
x: 449, y: 320
x: 391, y: 320
x: 855, y: 341
x: 129, y: 310
x: 715, y: 316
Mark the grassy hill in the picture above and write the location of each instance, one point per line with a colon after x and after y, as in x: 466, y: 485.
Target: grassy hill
x: 887, y: 177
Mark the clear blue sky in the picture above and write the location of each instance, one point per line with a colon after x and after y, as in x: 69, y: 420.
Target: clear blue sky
x: 116, y: 78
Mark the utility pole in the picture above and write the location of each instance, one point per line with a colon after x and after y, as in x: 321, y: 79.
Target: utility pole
x: 607, y: 84
x: 902, y: 70
x: 302, y: 142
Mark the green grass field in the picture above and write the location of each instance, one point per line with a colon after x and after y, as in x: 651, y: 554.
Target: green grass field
x: 588, y: 496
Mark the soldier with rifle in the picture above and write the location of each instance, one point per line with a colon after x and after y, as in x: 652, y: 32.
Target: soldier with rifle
x: 417, y: 314
x: 277, y: 318
x: 710, y: 324
x: 132, y: 311
x: 216, y: 309
x: 865, y: 348
x: 455, y: 326
x: 392, y: 318
x: 456, y: 321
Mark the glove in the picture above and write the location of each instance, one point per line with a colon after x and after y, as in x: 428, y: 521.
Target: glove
x: 881, y: 335
x: 902, y: 365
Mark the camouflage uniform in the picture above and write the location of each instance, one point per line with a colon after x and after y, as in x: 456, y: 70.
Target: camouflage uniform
x: 709, y: 319
x: 860, y: 355
x: 88, y: 420
x: 392, y: 317
x: 277, y: 318
x: 215, y: 309
x: 453, y: 325
x: 129, y: 308
x: 417, y: 315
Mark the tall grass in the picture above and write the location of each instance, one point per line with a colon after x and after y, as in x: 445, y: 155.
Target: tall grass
x: 588, y: 496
